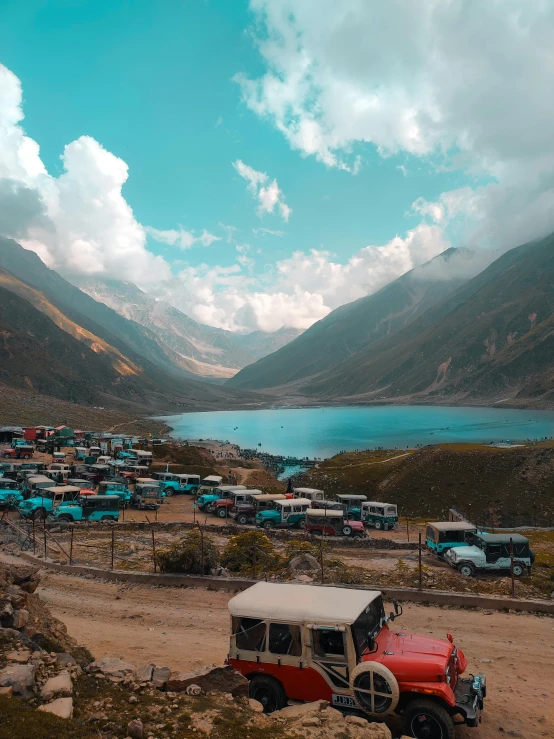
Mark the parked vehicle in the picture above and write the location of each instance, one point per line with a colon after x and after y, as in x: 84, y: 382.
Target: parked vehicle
x: 245, y: 513
x: 97, y: 472
x: 209, y: 483
x: 94, y: 451
x: 284, y: 514
x: 58, y: 476
x: 128, y: 455
x: 59, y: 467
x: 173, y: 484
x: 353, y: 505
x: 88, y: 508
x: 58, y: 456
x: 10, y: 494
x: 328, y: 522
x: 441, y: 536
x: 310, y: 493
x: 143, y: 457
x: 330, y: 505
x: 79, y: 453
x: 305, y: 643
x: 491, y: 553
x: 224, y: 507
x: 206, y: 501
x: 19, y: 452
x: 41, y: 505
x: 119, y: 489
x: 379, y: 515
x: 34, y: 483
x: 146, y: 495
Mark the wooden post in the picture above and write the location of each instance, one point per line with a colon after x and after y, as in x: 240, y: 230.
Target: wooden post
x: 255, y: 561
x: 34, y: 541
x: 512, y: 567
x: 408, y: 528
x: 154, y: 550
x: 321, y: 560
x: 71, y: 547
x: 45, y: 540
x: 420, y: 569
x: 113, y: 545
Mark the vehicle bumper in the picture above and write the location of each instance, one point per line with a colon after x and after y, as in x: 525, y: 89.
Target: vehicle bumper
x: 470, y: 696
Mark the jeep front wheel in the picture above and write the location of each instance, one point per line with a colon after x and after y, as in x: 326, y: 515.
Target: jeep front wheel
x: 347, y: 531
x: 269, y: 692
x: 242, y: 520
x: 378, y: 525
x: 466, y: 569
x: 426, y: 719
x: 222, y: 513
x: 268, y: 524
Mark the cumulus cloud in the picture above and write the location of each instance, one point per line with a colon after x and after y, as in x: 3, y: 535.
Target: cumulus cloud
x: 464, y: 85
x: 268, y: 194
x: 182, y: 238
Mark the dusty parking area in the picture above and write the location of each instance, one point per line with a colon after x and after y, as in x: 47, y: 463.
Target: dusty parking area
x: 187, y: 628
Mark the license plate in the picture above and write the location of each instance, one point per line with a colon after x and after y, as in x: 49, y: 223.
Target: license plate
x: 343, y: 701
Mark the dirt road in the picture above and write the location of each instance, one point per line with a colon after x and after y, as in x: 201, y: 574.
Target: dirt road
x: 185, y: 629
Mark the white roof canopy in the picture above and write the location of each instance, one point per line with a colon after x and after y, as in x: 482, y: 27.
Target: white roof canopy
x: 344, y: 496
x: 325, y: 513
x: 293, y: 502
x: 452, y: 525
x: 307, y: 490
x: 301, y: 603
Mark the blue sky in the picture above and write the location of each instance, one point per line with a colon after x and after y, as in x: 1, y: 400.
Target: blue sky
x: 170, y: 88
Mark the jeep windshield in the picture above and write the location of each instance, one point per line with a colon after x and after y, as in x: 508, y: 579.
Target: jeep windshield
x: 368, y: 624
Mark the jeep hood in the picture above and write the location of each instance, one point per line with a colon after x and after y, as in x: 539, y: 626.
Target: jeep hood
x: 466, y: 551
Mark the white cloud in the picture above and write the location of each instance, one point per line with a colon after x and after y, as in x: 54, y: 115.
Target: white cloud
x: 466, y: 84
x: 268, y: 194
x: 182, y: 238
x: 267, y: 232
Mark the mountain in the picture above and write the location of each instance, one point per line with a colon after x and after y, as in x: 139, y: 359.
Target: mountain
x: 358, y: 325
x: 492, y: 339
x: 196, y: 348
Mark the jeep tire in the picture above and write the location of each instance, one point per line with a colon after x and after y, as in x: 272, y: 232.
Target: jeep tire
x: 347, y: 530
x: 378, y: 525
x: 268, y: 524
x: 519, y: 569
x: 242, y: 520
x: 222, y: 512
x: 426, y: 719
x: 374, y: 688
x: 466, y: 569
x: 268, y: 691
x: 168, y: 492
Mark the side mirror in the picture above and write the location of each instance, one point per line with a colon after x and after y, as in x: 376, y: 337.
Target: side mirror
x: 370, y: 643
x: 392, y: 616
x: 397, y: 608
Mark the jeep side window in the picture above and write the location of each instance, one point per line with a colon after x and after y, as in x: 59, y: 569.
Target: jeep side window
x: 250, y: 634
x: 493, y: 552
x: 328, y: 644
x: 285, y: 639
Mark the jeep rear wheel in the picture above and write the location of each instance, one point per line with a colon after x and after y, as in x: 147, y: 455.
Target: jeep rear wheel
x: 39, y: 514
x: 268, y: 524
x: 222, y: 513
x: 302, y: 523
x: 168, y: 492
x: 269, y: 692
x: 66, y: 518
x: 242, y: 520
x: 466, y: 569
x: 347, y: 531
x: 519, y: 569
x: 426, y: 719
x: 378, y: 525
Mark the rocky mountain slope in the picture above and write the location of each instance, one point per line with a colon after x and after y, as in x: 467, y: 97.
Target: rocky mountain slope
x: 492, y: 339
x: 196, y: 348
x: 358, y: 325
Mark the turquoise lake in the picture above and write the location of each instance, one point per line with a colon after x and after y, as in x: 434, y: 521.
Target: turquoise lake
x: 322, y: 432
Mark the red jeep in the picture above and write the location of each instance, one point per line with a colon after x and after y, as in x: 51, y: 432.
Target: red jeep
x: 306, y: 643
x: 329, y: 522
x: 19, y: 452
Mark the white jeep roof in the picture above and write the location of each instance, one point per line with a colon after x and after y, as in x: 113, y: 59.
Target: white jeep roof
x: 301, y: 603
x: 451, y: 525
x: 307, y: 490
x: 351, y: 497
x: 293, y: 502
x: 213, y: 478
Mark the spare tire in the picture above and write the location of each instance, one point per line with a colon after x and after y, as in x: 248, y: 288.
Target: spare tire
x: 374, y: 688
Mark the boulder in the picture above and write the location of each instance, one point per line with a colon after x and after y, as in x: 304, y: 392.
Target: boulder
x: 144, y: 673
x: 304, y: 563
x: 65, y: 660
x: 255, y: 706
x: 62, y: 707
x: 20, y: 677
x: 7, y: 692
x: 21, y: 657
x: 302, y: 709
x: 160, y: 676
x: 20, y: 618
x: 222, y: 679
x: 113, y: 667
x: 59, y: 685
x: 135, y: 729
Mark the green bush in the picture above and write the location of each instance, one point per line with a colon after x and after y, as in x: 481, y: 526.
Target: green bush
x: 251, y: 551
x: 186, y: 555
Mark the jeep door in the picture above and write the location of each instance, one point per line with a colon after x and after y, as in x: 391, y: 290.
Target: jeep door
x: 331, y: 653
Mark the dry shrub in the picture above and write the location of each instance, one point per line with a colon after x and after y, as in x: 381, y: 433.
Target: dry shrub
x: 186, y: 555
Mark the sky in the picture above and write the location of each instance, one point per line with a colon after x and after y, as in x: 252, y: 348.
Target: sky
x: 258, y: 164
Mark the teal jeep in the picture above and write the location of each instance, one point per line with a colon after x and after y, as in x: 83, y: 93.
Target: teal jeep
x: 379, y: 515
x: 113, y: 487
x: 88, y: 508
x: 174, y: 484
x: 208, y: 499
x: 353, y: 505
x: 284, y: 514
x: 441, y: 536
x: 10, y: 495
x: 48, y: 499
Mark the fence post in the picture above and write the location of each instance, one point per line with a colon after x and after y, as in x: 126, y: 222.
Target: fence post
x: 420, y: 570
x: 113, y: 545
x: 154, y: 550
x: 321, y: 560
x: 255, y: 562
x: 512, y: 567
x: 45, y: 540
x: 71, y: 547
x: 408, y: 528
x: 34, y: 541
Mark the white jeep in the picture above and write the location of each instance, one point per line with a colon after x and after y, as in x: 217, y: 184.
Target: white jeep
x: 491, y: 552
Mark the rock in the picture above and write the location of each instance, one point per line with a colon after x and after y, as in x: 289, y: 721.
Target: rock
x: 144, y: 673
x: 59, y: 685
x: 135, y: 728
x: 113, y: 667
x: 331, y: 714
x: 20, y: 677
x: 193, y: 689
x: 311, y: 721
x: 160, y: 676
x: 65, y: 660
x: 254, y: 705
x: 133, y: 699
x: 485, y: 660
x: 304, y: 562
x: 306, y: 579
x: 62, y: 707
x: 21, y: 657
x: 302, y: 709
x: 357, y: 721
x: 7, y: 692
x: 222, y: 679
x: 20, y: 619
